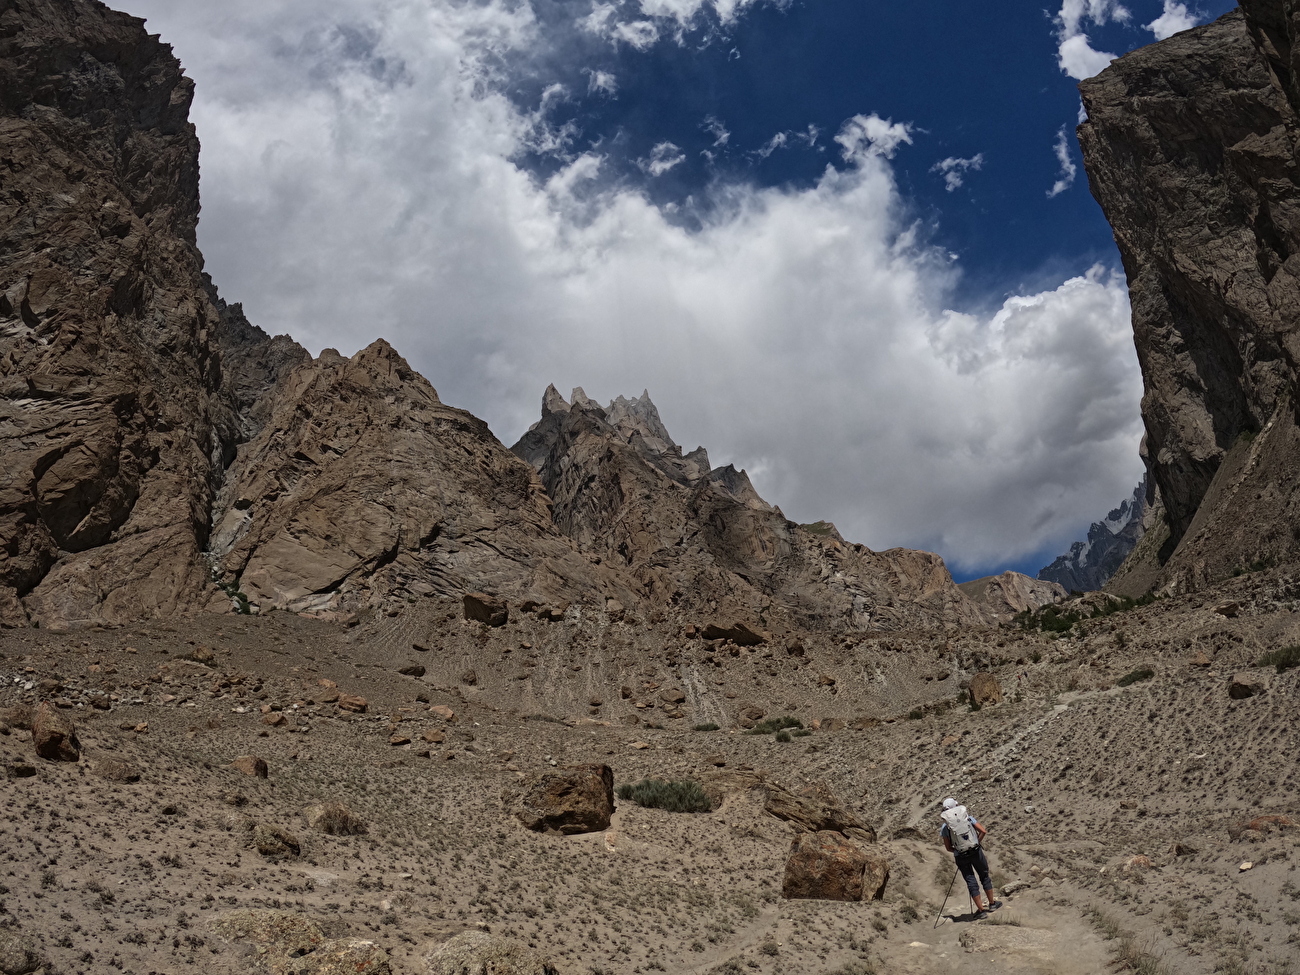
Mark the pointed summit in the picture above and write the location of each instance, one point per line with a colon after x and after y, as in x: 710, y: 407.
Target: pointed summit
x: 639, y: 415
x: 553, y: 402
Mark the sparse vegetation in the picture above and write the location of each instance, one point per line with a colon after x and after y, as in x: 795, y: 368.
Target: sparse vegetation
x: 773, y: 725
x: 678, y: 795
x: 1283, y: 659
x: 707, y: 726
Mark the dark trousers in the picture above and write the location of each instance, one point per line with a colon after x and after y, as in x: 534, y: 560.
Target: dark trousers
x: 973, y: 863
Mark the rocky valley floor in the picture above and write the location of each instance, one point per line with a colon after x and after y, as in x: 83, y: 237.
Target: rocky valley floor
x: 1121, y: 811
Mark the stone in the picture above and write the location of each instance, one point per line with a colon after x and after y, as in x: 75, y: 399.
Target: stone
x: 19, y: 770
x: 615, y: 610
x: 985, y: 689
x: 737, y: 633
x: 19, y: 716
x: 413, y: 670
x: 828, y: 866
x: 480, y: 953
x: 469, y: 678
x: 293, y: 944
x: 334, y: 819
x: 398, y: 740
x: 18, y: 954
x: 1231, y: 609
x: 1200, y: 660
x: 54, y: 736
x: 251, y: 765
x: 274, y: 720
x: 1015, y: 886
x: 275, y: 843
x: 112, y: 770
x: 579, y: 799
x: 673, y: 695
x: 815, y: 809
x: 353, y: 703
x: 482, y: 608
x: 434, y: 737
x: 1243, y: 686
x: 443, y: 711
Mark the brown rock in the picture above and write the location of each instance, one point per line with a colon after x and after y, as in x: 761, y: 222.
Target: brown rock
x: 444, y: 712
x: 334, y: 819
x: 475, y: 952
x: 673, y: 695
x: 1243, y: 686
x: 737, y: 633
x: 275, y: 719
x: 829, y: 866
x: 815, y: 809
x: 572, y: 800
x: 434, y: 737
x: 112, y: 770
x: 251, y: 765
x: 19, y: 770
x: 615, y: 609
x: 19, y: 716
x: 470, y: 677
x: 1230, y: 609
x: 625, y: 692
x: 985, y: 689
x: 482, y: 608
x: 353, y: 703
x: 275, y: 843
x: 398, y: 740
x: 1200, y: 660
x: 413, y: 670
x: 18, y: 955
x: 54, y: 735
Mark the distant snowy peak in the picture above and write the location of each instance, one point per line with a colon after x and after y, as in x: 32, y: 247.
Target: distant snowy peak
x: 1090, y: 563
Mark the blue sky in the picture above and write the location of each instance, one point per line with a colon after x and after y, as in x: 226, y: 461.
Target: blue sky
x: 847, y: 246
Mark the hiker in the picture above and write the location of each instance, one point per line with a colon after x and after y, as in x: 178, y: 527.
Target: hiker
x: 963, y: 837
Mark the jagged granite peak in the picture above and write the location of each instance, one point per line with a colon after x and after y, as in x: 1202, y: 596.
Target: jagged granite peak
x: 363, y: 487
x: 704, y: 541
x: 1091, y: 563
x: 1190, y: 147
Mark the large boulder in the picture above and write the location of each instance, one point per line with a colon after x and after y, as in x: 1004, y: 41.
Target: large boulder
x: 54, y: 735
x: 275, y: 843
x: 294, y: 944
x: 479, y: 953
x: 1243, y: 686
x: 251, y: 765
x: 815, y: 809
x: 571, y: 800
x: 985, y: 689
x: 737, y: 633
x: 334, y: 819
x: 17, y: 954
x: 482, y: 608
x: 829, y: 866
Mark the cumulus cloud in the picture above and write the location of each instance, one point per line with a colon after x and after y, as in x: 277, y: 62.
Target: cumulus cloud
x: 1075, y: 53
x: 809, y: 334
x: 1175, y: 18
x: 1068, y: 168
x: 954, y: 169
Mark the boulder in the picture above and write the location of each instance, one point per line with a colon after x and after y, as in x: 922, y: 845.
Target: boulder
x: 829, y: 866
x: 571, y: 800
x: 615, y: 609
x: 737, y: 633
x: 414, y: 670
x: 251, y: 765
x: 444, y: 712
x: 469, y: 678
x: 353, y: 703
x: 480, y: 953
x: 293, y: 944
x: 19, y: 770
x: 17, y: 954
x: 19, y: 716
x: 985, y: 689
x: 1243, y: 686
x: 815, y: 809
x: 673, y: 695
x: 111, y: 770
x: 54, y: 735
x: 275, y: 843
x: 334, y: 819
x: 482, y: 608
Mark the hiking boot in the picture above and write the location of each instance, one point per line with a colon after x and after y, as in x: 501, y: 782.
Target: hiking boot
x: 980, y: 915
x: 995, y: 905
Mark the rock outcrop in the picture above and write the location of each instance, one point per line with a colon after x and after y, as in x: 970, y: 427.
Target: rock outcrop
x: 572, y: 800
x: 702, y: 540
x: 1003, y: 596
x: 1090, y: 564
x: 1190, y: 147
x: 828, y: 866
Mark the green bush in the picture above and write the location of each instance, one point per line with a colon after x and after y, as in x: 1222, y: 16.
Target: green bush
x: 679, y: 795
x: 801, y: 732
x: 772, y: 725
x: 1133, y: 676
x: 916, y: 714
x: 708, y: 726
x: 783, y: 737
x: 1283, y: 659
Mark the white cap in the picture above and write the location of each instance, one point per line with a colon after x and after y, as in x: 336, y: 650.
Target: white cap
x: 949, y: 802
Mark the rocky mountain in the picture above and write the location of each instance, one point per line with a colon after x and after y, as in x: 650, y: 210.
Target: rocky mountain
x: 1090, y: 564
x: 165, y: 456
x: 1008, y: 594
x: 1190, y: 147
x: 702, y: 539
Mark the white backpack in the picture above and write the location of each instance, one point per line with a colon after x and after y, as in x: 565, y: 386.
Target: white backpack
x: 960, y: 831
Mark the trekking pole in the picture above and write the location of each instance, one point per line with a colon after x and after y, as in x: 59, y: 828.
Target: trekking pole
x: 945, y: 898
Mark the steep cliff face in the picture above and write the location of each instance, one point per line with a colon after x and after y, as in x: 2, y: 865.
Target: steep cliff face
x: 1190, y: 147
x: 108, y: 361
x: 1090, y: 564
x: 703, y: 539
